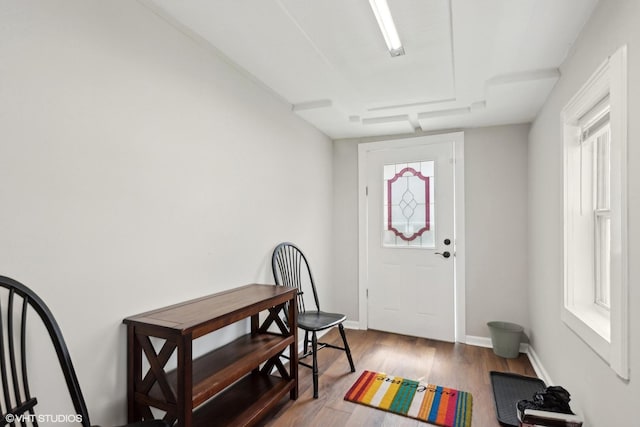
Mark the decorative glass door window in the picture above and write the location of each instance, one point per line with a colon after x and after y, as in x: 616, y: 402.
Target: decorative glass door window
x: 408, y: 219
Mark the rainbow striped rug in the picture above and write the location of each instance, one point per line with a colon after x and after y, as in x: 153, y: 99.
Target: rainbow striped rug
x: 426, y: 402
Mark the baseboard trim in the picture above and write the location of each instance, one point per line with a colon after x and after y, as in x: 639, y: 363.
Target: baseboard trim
x: 478, y: 341
x: 524, y: 348
x: 351, y: 324
x: 537, y: 366
x: 486, y: 342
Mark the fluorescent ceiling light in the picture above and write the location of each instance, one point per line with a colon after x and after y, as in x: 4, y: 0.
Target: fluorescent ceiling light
x: 388, y: 28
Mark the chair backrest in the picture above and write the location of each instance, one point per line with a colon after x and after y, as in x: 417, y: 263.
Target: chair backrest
x: 17, y: 401
x: 291, y: 268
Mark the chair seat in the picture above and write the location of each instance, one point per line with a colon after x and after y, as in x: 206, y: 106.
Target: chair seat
x: 319, y: 320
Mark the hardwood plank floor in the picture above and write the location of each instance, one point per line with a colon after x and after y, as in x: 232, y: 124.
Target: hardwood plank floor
x: 459, y: 366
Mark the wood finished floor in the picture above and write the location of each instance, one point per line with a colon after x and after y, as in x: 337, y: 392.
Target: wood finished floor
x: 459, y: 366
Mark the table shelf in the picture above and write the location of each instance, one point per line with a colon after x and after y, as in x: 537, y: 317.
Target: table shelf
x: 244, y: 403
x: 219, y: 368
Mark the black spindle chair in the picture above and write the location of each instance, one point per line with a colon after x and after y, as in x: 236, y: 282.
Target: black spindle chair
x: 17, y: 400
x: 291, y: 268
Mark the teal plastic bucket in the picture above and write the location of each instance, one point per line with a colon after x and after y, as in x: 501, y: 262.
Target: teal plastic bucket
x: 505, y: 338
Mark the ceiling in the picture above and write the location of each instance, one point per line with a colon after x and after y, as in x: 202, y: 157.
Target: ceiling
x: 468, y: 63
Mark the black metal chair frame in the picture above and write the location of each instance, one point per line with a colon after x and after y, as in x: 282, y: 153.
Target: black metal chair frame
x: 288, y: 264
x: 13, y: 369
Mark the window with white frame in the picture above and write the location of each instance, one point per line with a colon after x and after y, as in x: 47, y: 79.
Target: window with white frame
x: 595, y: 182
x: 595, y: 219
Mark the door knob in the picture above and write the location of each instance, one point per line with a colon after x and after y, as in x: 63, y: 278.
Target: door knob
x: 445, y: 254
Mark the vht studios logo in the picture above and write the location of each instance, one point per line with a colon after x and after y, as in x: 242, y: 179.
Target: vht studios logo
x: 43, y: 418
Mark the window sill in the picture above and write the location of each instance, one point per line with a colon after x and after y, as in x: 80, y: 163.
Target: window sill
x: 592, y: 326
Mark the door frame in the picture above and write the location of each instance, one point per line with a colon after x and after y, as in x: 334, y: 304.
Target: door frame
x: 459, y: 222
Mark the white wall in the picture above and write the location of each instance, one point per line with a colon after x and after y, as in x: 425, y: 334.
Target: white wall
x: 496, y: 226
x: 603, y: 398
x: 496, y: 269
x: 137, y: 169
x: 345, y: 228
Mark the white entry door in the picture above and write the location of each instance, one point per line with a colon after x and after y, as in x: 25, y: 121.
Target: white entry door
x: 410, y: 239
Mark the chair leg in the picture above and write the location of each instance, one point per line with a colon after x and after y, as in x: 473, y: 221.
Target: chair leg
x: 346, y: 347
x: 306, y: 342
x: 314, y: 348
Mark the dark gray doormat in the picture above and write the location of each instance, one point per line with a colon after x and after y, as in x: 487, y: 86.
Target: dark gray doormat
x: 508, y: 389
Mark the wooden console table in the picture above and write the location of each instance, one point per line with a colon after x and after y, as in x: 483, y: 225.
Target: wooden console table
x: 231, y: 385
